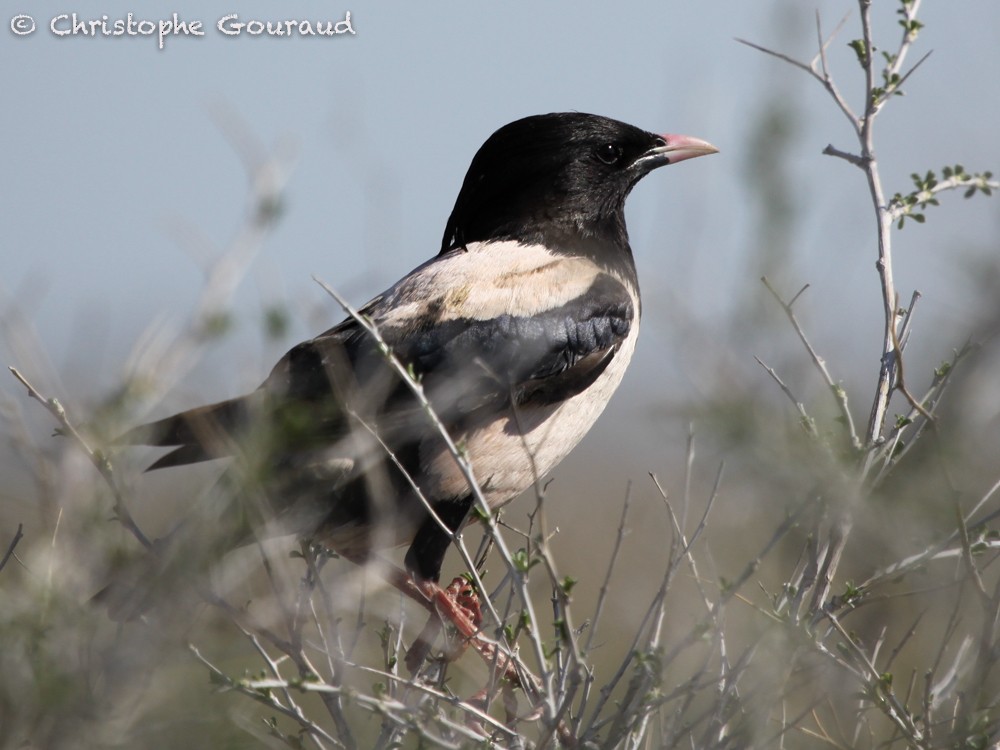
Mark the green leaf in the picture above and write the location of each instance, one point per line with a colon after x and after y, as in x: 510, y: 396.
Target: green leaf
x: 522, y: 561
x: 912, y: 26
x: 851, y: 592
x: 858, y: 45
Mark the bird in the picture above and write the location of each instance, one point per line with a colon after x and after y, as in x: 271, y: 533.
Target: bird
x: 518, y: 331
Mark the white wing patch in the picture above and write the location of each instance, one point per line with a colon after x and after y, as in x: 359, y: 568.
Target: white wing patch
x: 484, y: 281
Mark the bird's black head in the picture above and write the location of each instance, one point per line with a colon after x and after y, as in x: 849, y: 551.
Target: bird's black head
x: 559, y: 178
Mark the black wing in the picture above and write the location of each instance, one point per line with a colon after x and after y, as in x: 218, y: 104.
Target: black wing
x: 468, y: 366
x: 537, y: 359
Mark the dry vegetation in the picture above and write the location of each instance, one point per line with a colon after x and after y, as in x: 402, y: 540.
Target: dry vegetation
x: 867, y: 614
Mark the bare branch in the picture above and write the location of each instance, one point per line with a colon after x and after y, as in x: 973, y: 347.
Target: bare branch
x: 807, y: 422
x: 603, y: 592
x: 854, y: 159
x: 18, y: 535
x: 100, y: 461
x: 838, y: 392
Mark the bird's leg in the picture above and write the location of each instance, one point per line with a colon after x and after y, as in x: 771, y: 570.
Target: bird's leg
x: 457, y: 604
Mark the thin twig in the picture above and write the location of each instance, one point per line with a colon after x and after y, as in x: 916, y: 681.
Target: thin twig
x: 18, y: 535
x: 822, y: 75
x: 98, y: 459
x: 267, y: 698
x: 873, y: 681
x: 609, y: 569
x: 901, y: 380
x: 807, y: 422
x: 956, y: 182
x: 836, y: 390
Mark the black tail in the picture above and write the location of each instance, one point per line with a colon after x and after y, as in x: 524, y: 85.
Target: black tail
x: 200, y: 434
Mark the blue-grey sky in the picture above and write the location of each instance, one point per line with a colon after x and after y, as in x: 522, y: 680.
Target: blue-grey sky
x: 118, y: 186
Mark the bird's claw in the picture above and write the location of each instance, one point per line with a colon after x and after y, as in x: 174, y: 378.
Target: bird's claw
x: 457, y: 605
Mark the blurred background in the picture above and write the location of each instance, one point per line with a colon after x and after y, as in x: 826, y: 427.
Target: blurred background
x: 132, y: 187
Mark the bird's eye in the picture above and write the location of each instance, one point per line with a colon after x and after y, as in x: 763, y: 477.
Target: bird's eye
x: 608, y: 153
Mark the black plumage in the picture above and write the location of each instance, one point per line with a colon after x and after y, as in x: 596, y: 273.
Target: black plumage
x: 519, y: 330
